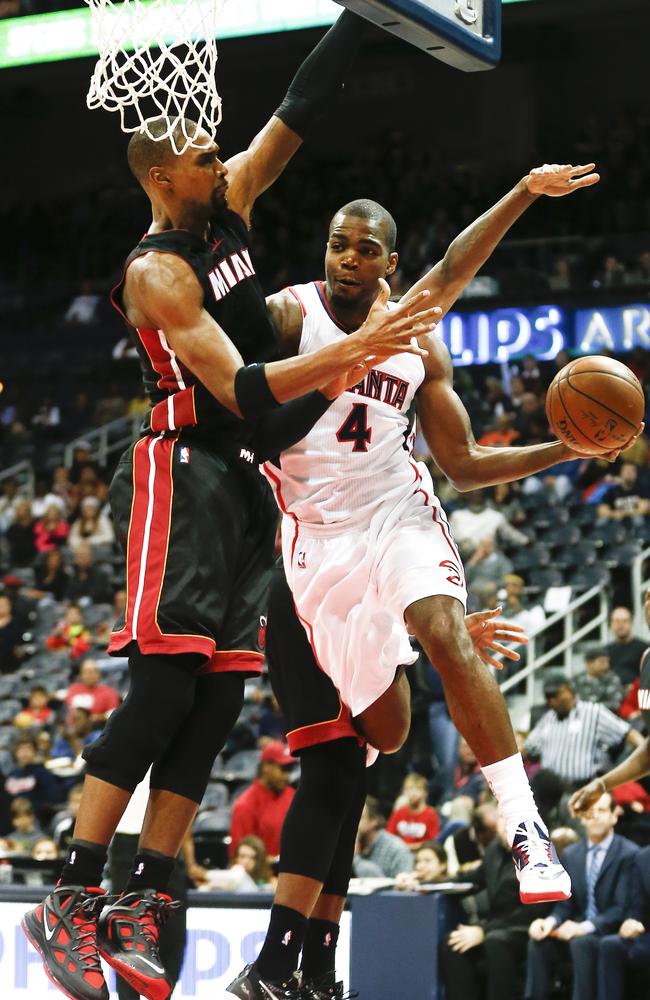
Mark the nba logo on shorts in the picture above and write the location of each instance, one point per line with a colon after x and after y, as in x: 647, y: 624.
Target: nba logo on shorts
x: 302, y: 560
x: 185, y: 455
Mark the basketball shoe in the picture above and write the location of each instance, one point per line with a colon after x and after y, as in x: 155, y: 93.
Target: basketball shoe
x: 249, y: 986
x: 541, y: 879
x: 326, y: 988
x: 63, y: 929
x: 127, y: 937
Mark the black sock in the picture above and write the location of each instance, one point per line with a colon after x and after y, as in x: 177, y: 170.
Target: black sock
x: 151, y: 870
x: 84, y: 864
x: 319, y: 949
x: 278, y: 958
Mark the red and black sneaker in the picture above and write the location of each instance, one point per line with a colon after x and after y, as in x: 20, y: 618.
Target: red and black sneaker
x: 63, y: 929
x: 127, y: 938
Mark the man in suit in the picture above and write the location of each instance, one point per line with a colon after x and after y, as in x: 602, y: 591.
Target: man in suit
x: 600, y: 867
x: 485, y: 960
x: 630, y: 948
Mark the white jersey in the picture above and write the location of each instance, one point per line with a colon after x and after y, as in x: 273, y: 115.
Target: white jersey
x: 358, y: 455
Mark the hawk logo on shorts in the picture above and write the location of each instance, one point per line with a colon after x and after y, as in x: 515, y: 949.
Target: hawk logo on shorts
x: 302, y: 560
x: 185, y: 455
x: 455, y: 574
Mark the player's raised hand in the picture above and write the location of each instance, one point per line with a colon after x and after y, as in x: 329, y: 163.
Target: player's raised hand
x: 387, y: 332
x: 557, y: 180
x: 488, y: 636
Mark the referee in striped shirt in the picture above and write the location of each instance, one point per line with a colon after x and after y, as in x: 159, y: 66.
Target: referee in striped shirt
x: 573, y: 737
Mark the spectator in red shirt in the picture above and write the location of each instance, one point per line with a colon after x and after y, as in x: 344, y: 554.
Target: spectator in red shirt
x: 99, y: 699
x: 37, y: 712
x: 261, y: 809
x: 71, y: 633
x: 415, y: 822
x: 52, y: 529
x: 629, y: 708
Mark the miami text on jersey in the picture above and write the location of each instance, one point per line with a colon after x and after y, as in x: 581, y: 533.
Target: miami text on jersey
x: 230, y: 271
x: 384, y: 387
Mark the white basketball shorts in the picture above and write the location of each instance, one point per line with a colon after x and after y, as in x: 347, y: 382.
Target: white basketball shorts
x: 351, y: 588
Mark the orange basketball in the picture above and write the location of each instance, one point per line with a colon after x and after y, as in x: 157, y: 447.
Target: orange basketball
x: 595, y: 405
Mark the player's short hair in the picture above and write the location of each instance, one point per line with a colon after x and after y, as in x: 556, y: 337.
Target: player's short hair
x: 143, y: 152
x: 372, y: 211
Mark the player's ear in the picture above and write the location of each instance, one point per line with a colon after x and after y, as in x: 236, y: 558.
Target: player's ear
x: 159, y: 177
x: 393, y: 260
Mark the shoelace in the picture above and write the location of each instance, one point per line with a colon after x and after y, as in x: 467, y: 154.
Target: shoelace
x: 538, y: 848
x: 84, y: 917
x: 157, y: 913
x: 325, y: 984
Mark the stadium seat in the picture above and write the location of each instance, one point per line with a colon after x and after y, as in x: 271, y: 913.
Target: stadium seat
x: 563, y: 536
x: 610, y: 533
x: 213, y: 821
x: 542, y: 579
x: 620, y: 555
x: 588, y: 577
x: 242, y: 766
x: 216, y: 796
x: 9, y: 709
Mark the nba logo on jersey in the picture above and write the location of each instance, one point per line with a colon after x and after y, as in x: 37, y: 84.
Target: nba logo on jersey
x: 185, y: 455
x: 302, y: 560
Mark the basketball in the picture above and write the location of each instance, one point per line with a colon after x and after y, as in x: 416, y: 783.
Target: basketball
x: 595, y: 405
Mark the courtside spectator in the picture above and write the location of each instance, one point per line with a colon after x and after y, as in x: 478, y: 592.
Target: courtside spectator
x: 20, y: 535
x: 599, y: 682
x: 82, y: 730
x: 37, y: 712
x: 251, y: 856
x: 630, y: 948
x: 625, y: 650
x: 12, y: 649
x: 629, y: 499
x: 88, y: 580
x: 70, y: 634
x: 629, y: 708
x: 379, y: 854
x: 261, y: 809
x: 25, y: 830
x: 415, y: 821
x: 64, y: 826
x: 98, y: 699
x: 466, y: 848
x: 91, y: 527
x: 486, y: 959
x: 477, y: 520
x: 430, y: 866
x: 30, y: 780
x: 51, y: 576
x: 601, y: 867
x: 487, y: 564
x: 573, y: 737
x: 51, y: 530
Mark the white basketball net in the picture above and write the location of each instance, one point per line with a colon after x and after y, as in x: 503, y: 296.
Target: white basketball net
x: 157, y: 59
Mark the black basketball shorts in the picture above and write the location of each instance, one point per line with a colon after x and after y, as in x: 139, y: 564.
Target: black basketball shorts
x: 308, y: 699
x: 198, y: 533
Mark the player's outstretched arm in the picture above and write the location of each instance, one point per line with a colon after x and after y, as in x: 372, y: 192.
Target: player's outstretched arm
x: 448, y: 432
x: 163, y: 293
x: 314, y: 87
x: 636, y: 766
x: 473, y: 247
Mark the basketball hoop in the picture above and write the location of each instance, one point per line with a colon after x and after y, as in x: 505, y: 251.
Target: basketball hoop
x: 157, y: 59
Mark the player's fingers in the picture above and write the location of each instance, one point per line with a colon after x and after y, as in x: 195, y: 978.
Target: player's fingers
x: 424, y: 316
x: 583, y: 182
x: 384, y: 293
x: 584, y: 168
x: 507, y: 636
x: 485, y: 656
x: 509, y: 627
x: 511, y: 654
x: 410, y: 304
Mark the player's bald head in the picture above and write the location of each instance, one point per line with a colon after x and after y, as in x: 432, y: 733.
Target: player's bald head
x: 371, y: 211
x: 154, y: 148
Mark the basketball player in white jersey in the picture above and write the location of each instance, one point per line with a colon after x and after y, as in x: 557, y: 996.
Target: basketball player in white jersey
x: 370, y: 559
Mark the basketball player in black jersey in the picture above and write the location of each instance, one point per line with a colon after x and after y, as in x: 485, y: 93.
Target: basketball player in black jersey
x: 197, y: 522
x: 637, y: 765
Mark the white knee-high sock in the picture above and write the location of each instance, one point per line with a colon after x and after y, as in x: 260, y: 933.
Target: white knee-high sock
x: 509, y: 784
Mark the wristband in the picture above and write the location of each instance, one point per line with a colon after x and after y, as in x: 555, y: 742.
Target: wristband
x: 252, y: 392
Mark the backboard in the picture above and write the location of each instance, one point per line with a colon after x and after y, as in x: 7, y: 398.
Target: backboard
x: 464, y: 33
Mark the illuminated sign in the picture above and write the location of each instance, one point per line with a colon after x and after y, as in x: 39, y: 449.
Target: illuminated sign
x: 502, y: 334
x: 68, y: 34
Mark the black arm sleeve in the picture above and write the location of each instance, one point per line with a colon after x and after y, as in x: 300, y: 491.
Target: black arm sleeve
x: 287, y: 425
x: 320, y: 78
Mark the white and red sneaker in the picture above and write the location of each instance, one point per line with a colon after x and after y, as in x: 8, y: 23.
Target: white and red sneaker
x: 541, y: 878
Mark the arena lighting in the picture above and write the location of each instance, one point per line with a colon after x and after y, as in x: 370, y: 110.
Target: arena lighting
x: 67, y: 34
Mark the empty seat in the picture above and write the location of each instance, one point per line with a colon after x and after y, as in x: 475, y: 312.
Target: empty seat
x: 216, y: 796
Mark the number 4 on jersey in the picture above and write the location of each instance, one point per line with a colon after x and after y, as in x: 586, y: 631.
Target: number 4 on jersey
x: 355, y: 428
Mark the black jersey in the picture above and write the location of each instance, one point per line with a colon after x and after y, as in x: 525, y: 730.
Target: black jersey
x: 233, y: 296
x: 644, y: 689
